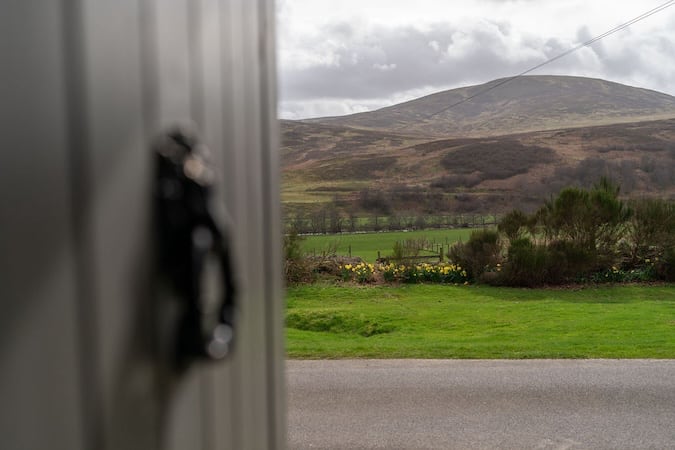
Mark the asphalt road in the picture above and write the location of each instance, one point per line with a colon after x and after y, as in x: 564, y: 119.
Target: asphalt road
x: 481, y: 404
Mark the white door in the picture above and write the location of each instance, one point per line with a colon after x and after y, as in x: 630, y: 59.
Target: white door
x: 86, y: 86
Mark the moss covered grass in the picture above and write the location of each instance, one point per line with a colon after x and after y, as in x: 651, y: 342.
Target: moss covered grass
x: 436, y: 321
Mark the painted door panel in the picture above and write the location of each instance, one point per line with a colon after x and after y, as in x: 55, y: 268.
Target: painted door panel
x: 86, y: 333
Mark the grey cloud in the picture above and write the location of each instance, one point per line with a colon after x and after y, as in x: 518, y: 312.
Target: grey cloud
x: 506, y: 1
x: 650, y: 60
x: 411, y: 57
x: 584, y: 35
x: 372, y: 67
x: 552, y: 47
x: 633, y: 56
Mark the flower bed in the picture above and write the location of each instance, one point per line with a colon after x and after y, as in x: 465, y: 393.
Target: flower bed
x: 402, y: 273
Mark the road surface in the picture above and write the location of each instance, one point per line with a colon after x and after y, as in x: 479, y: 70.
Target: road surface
x: 481, y: 404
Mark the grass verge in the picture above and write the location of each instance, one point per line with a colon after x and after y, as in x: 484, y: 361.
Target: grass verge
x: 433, y: 321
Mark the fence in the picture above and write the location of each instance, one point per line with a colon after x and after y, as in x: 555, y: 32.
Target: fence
x: 325, y: 223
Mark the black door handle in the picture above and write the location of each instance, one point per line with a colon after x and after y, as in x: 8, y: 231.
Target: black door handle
x: 192, y: 245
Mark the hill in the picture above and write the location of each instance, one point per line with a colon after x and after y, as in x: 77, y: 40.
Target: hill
x: 530, y: 103
x: 536, y: 135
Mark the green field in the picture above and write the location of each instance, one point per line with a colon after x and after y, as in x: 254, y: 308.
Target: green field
x: 436, y: 321
x: 366, y: 245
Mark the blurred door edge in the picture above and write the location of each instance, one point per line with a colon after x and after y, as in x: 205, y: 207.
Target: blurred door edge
x: 86, y: 86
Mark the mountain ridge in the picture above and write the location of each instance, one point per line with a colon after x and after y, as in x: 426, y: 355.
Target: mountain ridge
x: 505, y: 151
x: 523, y: 104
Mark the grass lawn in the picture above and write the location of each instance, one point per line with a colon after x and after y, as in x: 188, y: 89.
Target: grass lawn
x: 438, y: 321
x: 366, y: 245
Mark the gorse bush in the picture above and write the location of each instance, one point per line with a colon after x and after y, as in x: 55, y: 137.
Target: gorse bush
x: 651, y: 230
x: 590, y: 220
x: 515, y: 224
x: 297, y: 268
x: 579, y: 235
x: 665, y: 268
x: 480, y: 253
x: 651, y: 238
x: 527, y: 264
x: 532, y: 264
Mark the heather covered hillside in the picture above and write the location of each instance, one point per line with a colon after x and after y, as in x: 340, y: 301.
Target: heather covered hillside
x: 510, y: 147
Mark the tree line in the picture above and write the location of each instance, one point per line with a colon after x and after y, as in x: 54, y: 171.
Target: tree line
x: 330, y: 221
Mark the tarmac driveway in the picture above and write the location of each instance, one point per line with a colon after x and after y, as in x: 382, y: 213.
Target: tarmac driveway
x: 481, y: 404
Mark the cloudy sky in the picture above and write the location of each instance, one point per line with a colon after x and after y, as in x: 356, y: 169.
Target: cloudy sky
x: 343, y: 56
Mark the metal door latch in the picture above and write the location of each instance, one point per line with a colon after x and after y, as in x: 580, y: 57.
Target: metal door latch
x: 193, y: 249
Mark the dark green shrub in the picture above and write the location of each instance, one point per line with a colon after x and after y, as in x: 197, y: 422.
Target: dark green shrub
x: 481, y: 252
x: 293, y: 245
x: 514, y: 225
x: 592, y: 221
x: 665, y: 266
x: 570, y: 261
x: 297, y: 268
x: 651, y: 230
x: 527, y: 264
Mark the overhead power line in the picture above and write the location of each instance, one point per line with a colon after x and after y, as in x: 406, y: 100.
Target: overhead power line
x: 642, y: 16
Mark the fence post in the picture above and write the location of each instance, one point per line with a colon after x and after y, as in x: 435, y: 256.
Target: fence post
x: 350, y: 250
x: 440, y: 255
